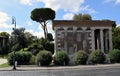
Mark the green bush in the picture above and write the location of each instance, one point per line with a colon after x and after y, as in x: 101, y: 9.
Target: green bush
x: 4, y: 50
x: 35, y: 48
x: 16, y: 47
x: 32, y: 60
x: 114, y: 56
x: 49, y: 47
x: 44, y: 58
x: 97, y: 57
x: 61, y: 58
x: 80, y: 57
x: 25, y: 49
x: 22, y: 58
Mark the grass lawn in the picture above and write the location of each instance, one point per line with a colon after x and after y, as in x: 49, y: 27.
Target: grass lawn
x: 3, y: 57
x: 4, y: 65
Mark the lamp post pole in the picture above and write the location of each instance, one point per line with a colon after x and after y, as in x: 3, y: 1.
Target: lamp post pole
x: 14, y: 28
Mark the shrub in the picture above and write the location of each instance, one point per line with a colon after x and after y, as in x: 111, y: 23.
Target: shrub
x: 114, y: 56
x: 22, y: 58
x: 16, y: 47
x: 80, y: 57
x: 35, y: 48
x: 25, y: 49
x: 61, y: 58
x: 97, y: 57
x: 26, y: 56
x: 49, y: 47
x: 32, y: 60
x: 4, y: 50
x: 44, y: 58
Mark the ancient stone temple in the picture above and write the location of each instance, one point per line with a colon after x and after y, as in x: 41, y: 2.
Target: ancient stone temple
x: 2, y: 41
x: 72, y: 36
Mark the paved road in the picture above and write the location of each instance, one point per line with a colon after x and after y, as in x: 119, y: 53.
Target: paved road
x: 114, y: 71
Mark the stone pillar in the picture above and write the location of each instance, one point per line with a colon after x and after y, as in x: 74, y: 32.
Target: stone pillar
x: 106, y: 41
x: 3, y: 41
x: 93, y: 38
x: 65, y: 41
x: 84, y: 40
x: 110, y: 39
x: 101, y: 40
x: 98, y: 44
x: 75, y: 39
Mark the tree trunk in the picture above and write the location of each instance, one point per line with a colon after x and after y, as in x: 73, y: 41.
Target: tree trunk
x: 44, y: 27
x: 45, y: 30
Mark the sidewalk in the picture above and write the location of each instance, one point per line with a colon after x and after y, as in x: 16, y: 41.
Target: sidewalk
x: 81, y: 67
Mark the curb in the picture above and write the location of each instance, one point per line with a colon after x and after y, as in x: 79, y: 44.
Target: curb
x: 80, y: 67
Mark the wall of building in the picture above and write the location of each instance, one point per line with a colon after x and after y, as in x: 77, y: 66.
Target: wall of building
x: 72, y: 36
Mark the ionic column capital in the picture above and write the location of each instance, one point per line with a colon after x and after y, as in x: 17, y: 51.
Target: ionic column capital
x: 65, y: 28
x: 84, y: 28
x: 110, y: 28
x: 74, y: 28
x: 92, y: 28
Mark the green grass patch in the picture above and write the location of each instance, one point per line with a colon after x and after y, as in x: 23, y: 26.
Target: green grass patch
x: 4, y: 65
x: 3, y: 56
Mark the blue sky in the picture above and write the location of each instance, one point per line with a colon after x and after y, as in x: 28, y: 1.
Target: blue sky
x: 65, y: 9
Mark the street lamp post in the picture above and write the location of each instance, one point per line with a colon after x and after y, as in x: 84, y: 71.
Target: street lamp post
x: 14, y: 22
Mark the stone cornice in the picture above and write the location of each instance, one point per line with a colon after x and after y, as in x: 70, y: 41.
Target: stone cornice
x: 86, y: 23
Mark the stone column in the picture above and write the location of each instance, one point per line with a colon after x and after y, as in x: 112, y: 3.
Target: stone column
x: 101, y: 40
x: 84, y: 40
x: 106, y: 41
x: 110, y: 39
x: 3, y: 41
x: 75, y: 39
x: 93, y: 38
x: 65, y: 41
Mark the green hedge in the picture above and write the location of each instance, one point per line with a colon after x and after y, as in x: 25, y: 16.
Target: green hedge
x: 33, y: 60
x: 16, y: 47
x: 80, y: 57
x: 22, y: 58
x: 35, y: 48
x: 61, y: 58
x: 44, y: 58
x: 97, y: 57
x: 114, y: 56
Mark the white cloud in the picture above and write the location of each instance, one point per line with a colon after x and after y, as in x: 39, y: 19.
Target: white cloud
x: 87, y: 9
x: 117, y: 2
x: 68, y: 16
x: 4, y: 18
x: 39, y: 34
x: 5, y: 26
x: 118, y: 25
x: 26, y: 2
x: 28, y: 23
x: 49, y: 28
x: 74, y: 6
x: 66, y: 5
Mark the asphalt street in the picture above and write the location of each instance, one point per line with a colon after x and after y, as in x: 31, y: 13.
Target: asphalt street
x: 114, y: 71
